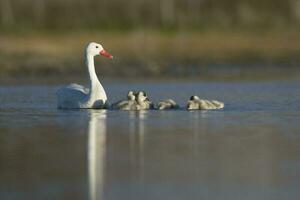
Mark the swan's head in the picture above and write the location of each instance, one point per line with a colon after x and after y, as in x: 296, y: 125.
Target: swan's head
x: 95, y: 49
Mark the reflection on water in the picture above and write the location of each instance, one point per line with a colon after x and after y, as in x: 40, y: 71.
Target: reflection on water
x: 96, y: 153
x: 136, y: 140
x: 250, y: 150
x: 97, y: 139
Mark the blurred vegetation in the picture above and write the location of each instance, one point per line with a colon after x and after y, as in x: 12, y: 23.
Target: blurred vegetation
x: 158, y: 14
x: 150, y: 37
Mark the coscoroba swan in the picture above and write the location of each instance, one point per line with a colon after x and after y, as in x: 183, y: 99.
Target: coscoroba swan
x: 77, y: 96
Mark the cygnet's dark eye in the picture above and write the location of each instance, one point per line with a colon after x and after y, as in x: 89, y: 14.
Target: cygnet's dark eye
x: 97, y: 47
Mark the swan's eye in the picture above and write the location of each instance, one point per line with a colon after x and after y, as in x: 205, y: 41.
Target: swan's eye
x: 97, y: 47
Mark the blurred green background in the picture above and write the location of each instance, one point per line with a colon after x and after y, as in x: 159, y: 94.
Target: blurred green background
x: 205, y: 39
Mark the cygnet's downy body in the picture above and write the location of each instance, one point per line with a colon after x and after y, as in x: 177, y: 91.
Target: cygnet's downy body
x: 143, y: 103
x: 129, y: 104
x: 167, y: 105
x: 195, y: 103
x: 218, y: 104
x: 192, y: 105
x: 135, y: 101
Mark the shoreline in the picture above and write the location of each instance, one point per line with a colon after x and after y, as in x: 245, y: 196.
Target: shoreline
x: 154, y: 54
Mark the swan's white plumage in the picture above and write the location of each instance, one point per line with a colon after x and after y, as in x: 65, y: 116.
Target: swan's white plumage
x: 72, y: 96
x: 77, y: 96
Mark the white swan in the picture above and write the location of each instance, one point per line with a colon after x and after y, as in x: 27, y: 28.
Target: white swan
x: 77, y: 96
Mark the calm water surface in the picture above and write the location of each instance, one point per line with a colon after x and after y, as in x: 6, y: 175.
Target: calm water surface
x: 249, y: 150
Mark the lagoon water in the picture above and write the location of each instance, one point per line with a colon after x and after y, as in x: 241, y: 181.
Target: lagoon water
x: 249, y: 150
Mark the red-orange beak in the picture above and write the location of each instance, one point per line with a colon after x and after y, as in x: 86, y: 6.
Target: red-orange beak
x: 106, y: 54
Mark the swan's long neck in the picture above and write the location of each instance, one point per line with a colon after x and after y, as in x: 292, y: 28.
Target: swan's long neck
x: 96, y: 89
x: 91, y: 70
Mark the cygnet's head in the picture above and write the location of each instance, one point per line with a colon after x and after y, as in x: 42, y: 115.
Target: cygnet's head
x: 145, y: 95
x: 95, y: 49
x: 141, y: 96
x: 194, y: 97
x: 130, y: 95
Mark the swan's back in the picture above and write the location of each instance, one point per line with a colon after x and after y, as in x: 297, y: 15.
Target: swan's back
x: 71, y: 96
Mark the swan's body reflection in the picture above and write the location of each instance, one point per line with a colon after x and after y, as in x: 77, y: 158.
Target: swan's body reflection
x: 97, y: 147
x: 96, y: 153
